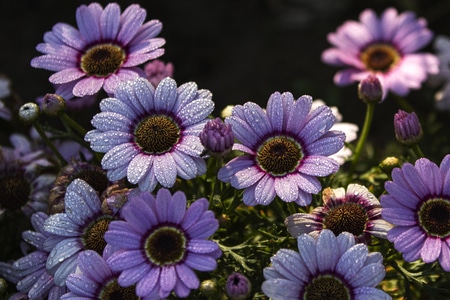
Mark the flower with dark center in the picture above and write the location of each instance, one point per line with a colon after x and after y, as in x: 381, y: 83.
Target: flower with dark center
x: 91, y: 174
x: 106, y: 48
x: 385, y: 46
x: 160, y: 243
x: 326, y: 267
x: 418, y: 205
x: 285, y: 148
x: 151, y: 135
x: 96, y: 280
x: 81, y: 227
x: 356, y: 211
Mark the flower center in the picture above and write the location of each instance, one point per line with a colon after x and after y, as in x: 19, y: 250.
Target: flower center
x: 113, y: 291
x: 102, y: 60
x: 97, y: 180
x: 165, y: 246
x: 279, y: 155
x: 326, y: 287
x: 350, y: 217
x: 157, y: 134
x: 434, y: 217
x: 93, y: 235
x: 380, y: 57
x: 14, y: 192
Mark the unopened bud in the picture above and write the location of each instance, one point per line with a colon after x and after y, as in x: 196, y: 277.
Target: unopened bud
x: 53, y: 105
x: 29, y: 113
x: 370, y: 89
x: 217, y: 137
x: 408, y: 130
x: 238, y: 286
x: 389, y: 163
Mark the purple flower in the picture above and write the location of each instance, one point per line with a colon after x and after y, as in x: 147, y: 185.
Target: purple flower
x: 160, y: 243
x: 149, y: 135
x: 356, y: 211
x: 328, y: 267
x: 385, y: 46
x: 418, y: 205
x: 217, y: 137
x: 157, y: 70
x: 286, y: 147
x: 81, y: 227
x: 106, y: 48
x: 95, y: 280
x: 238, y: 286
x: 408, y: 130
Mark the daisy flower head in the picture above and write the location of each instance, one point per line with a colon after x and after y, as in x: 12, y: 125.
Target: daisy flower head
x: 355, y: 210
x: 286, y: 146
x: 160, y: 243
x: 442, y: 96
x: 328, y: 267
x: 417, y: 203
x: 151, y: 135
x: 107, y: 48
x: 385, y: 46
x: 81, y: 227
x: 95, y: 280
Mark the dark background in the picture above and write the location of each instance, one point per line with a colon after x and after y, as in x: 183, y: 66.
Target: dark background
x: 241, y: 50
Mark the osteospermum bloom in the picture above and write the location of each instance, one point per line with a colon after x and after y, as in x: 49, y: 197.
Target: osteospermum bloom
x: 385, y: 46
x: 328, y: 267
x: 418, y: 205
x: 152, y: 136
x: 95, y: 280
x: 80, y: 227
x: 442, y: 96
x: 285, y: 147
x: 356, y: 211
x: 106, y: 48
x: 160, y: 243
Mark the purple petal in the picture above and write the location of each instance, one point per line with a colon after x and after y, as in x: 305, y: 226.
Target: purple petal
x: 88, y: 86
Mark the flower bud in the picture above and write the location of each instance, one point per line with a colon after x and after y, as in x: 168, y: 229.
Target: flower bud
x: 217, y: 137
x: 29, y: 113
x: 370, y: 89
x: 226, y: 112
x: 408, y: 130
x: 389, y: 163
x: 208, y: 287
x: 53, y: 105
x: 238, y: 286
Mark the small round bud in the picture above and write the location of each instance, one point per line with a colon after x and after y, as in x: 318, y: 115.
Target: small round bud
x: 370, y: 89
x: 29, y: 113
x: 238, y: 286
x: 226, y: 112
x: 3, y: 286
x: 217, y: 137
x: 408, y: 130
x: 389, y: 163
x: 208, y: 287
x: 53, y: 105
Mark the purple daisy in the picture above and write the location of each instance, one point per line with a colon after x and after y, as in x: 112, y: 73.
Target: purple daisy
x: 152, y: 136
x: 81, y: 227
x: 160, y: 243
x: 95, y: 280
x: 106, y: 48
x: 286, y: 146
x: 384, y: 46
x: 356, y: 211
x: 328, y: 267
x: 418, y: 204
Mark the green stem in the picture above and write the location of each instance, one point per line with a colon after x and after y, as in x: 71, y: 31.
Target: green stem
x: 417, y: 151
x: 364, y: 134
x: 49, y: 144
x: 73, y: 124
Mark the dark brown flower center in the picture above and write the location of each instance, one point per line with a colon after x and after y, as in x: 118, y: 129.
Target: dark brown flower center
x: 380, y: 57
x: 113, y: 291
x: 14, y: 191
x: 102, y: 60
x: 165, y: 246
x: 93, y: 235
x: 157, y: 134
x: 350, y: 217
x: 97, y: 180
x: 434, y: 217
x: 279, y: 155
x: 326, y: 287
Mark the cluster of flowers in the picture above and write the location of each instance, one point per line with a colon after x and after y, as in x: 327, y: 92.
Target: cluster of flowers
x: 161, y: 200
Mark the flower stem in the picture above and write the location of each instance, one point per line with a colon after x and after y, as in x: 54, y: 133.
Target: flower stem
x: 73, y: 124
x: 49, y: 144
x: 364, y: 134
x: 417, y: 151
